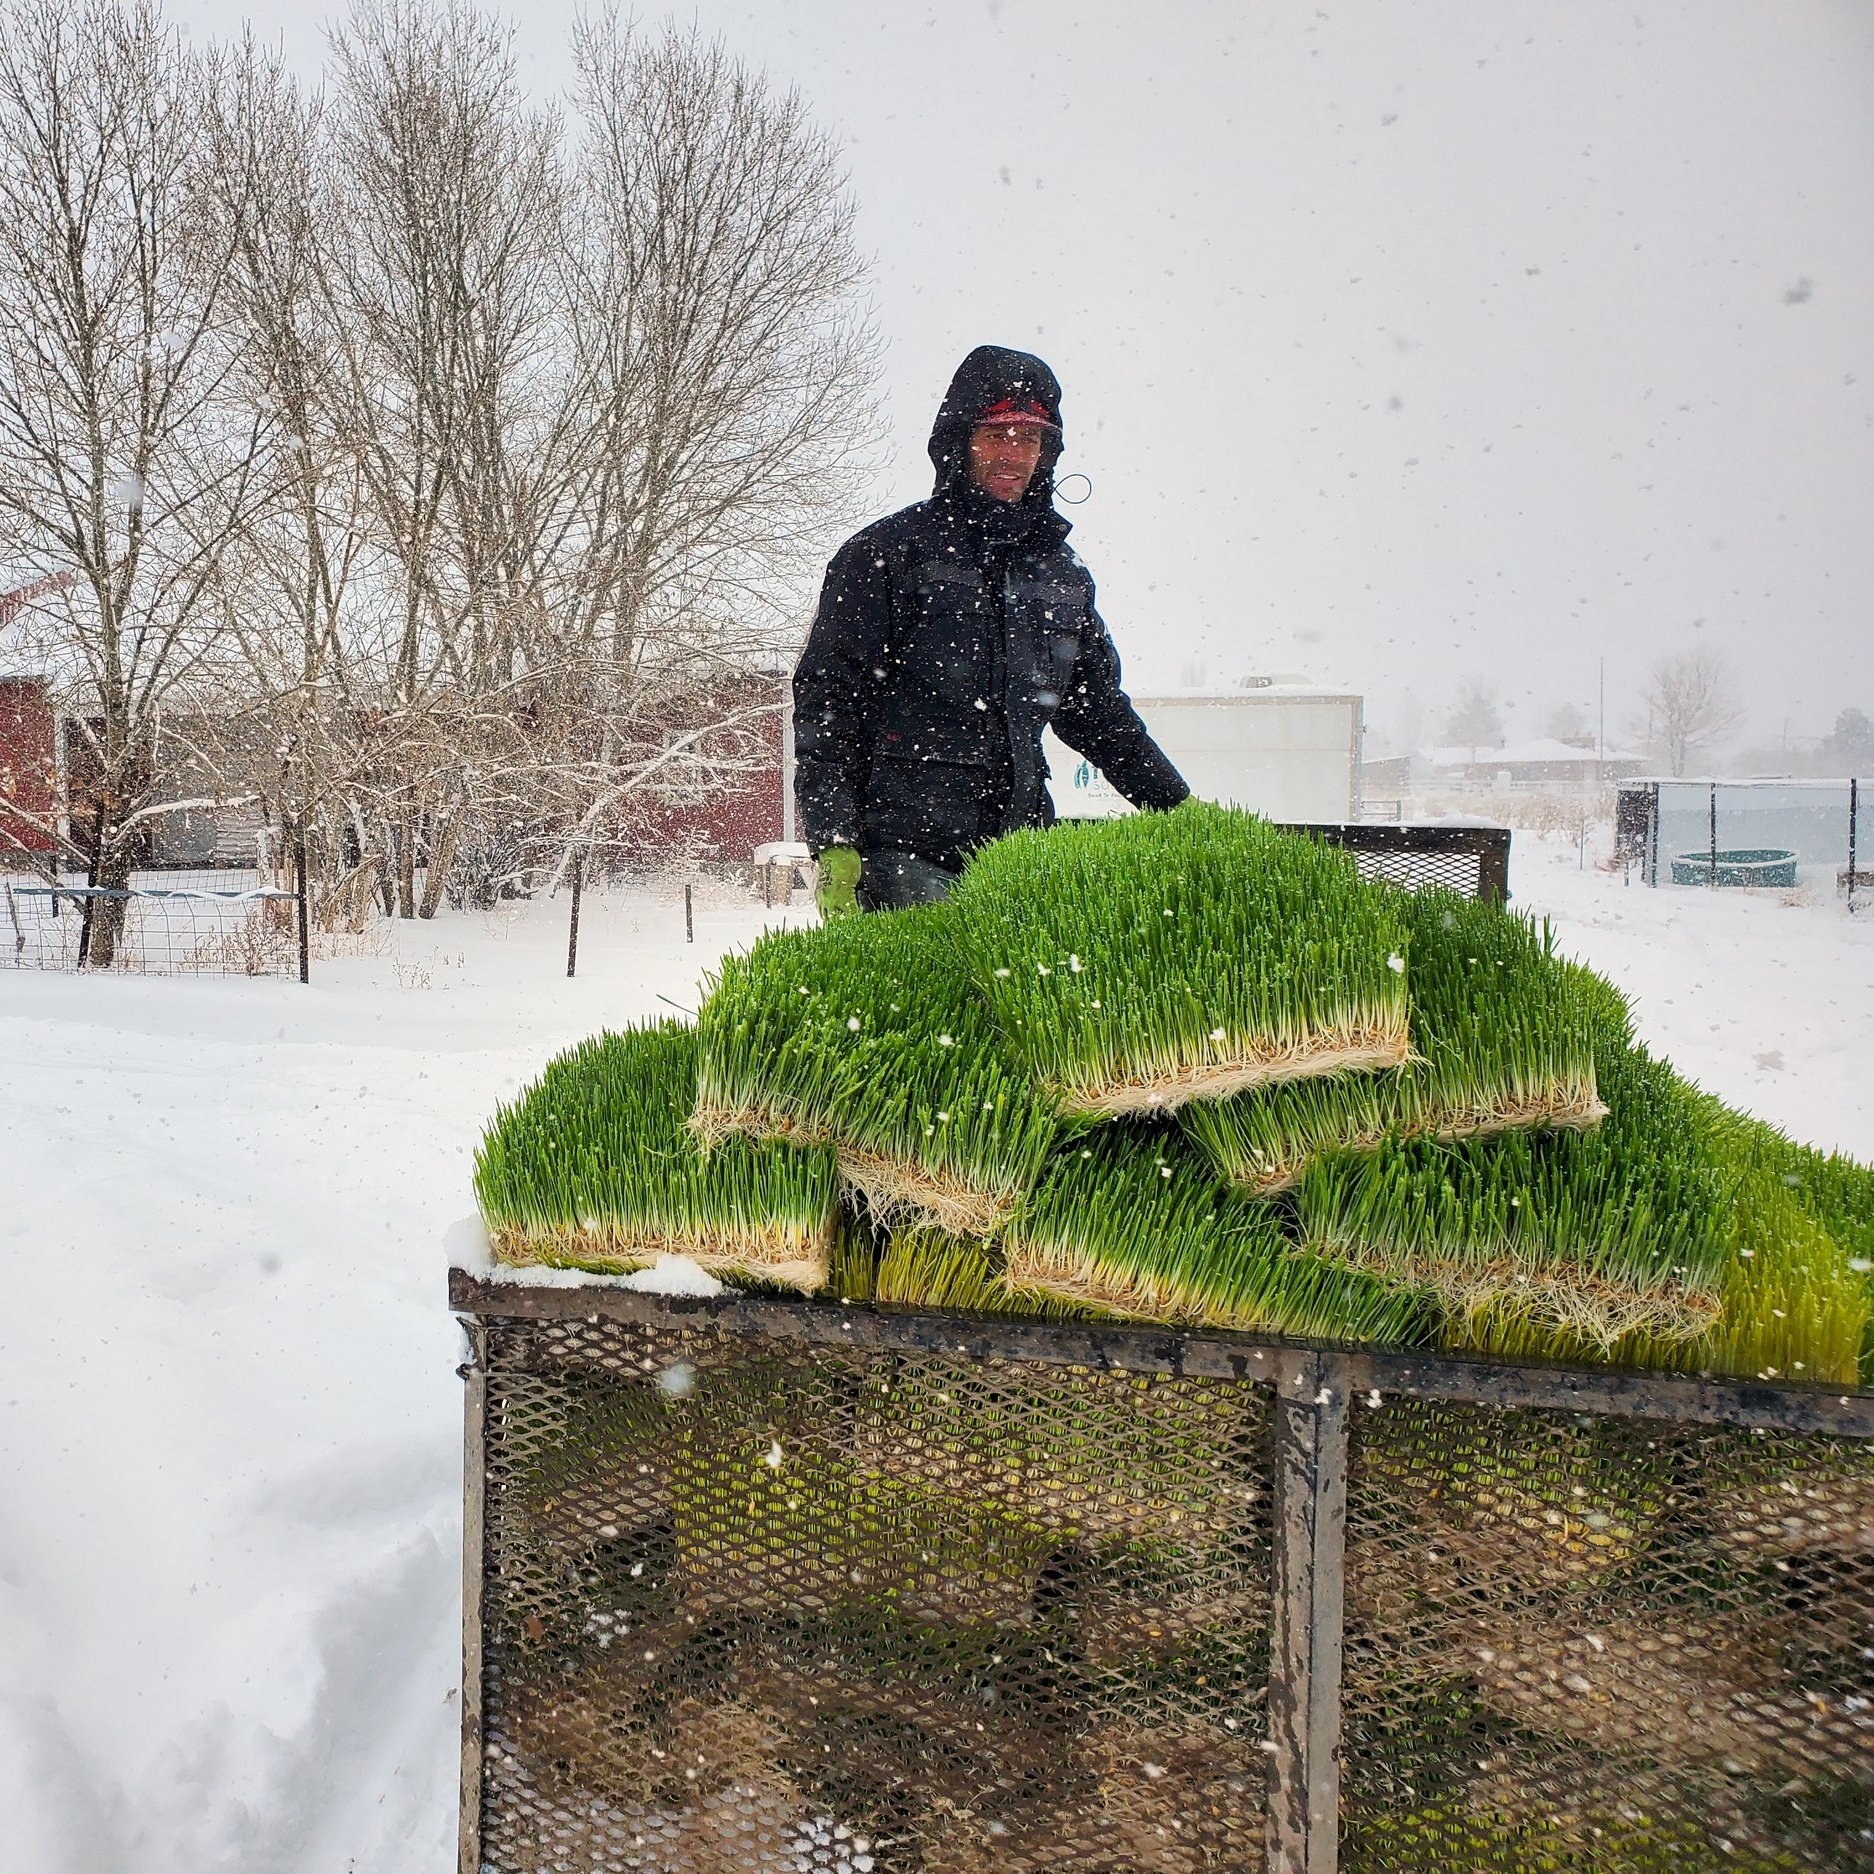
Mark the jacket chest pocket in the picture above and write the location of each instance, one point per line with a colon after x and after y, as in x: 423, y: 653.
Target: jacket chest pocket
x: 939, y: 590
x: 1055, y: 653
x: 1063, y: 655
x: 1050, y: 611
x: 1051, y: 670
x: 955, y: 617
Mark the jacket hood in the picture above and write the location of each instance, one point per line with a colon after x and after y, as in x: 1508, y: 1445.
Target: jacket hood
x: 988, y: 375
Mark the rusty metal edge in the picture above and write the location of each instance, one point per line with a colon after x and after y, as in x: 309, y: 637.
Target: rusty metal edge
x: 1212, y: 1354
x: 840, y: 1324
x: 1617, y: 1392
x: 474, y: 1569
x: 1309, y: 1435
x: 1482, y: 840
x: 1489, y: 844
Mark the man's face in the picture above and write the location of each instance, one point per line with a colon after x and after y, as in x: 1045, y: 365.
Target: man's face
x: 1004, y: 457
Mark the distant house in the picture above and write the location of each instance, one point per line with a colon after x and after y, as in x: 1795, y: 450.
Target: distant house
x: 49, y: 781
x: 1542, y: 766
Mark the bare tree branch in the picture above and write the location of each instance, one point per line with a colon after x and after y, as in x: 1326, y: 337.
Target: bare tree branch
x: 120, y: 458
x: 1690, y: 706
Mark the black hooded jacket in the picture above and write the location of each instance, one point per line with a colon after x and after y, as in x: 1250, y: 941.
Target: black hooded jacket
x: 948, y: 636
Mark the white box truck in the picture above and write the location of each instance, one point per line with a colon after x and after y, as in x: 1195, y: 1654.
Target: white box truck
x: 1282, y: 747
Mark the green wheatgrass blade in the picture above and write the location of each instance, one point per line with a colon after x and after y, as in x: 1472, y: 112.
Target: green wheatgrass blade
x: 1836, y: 1191
x: 925, y: 1268
x: 1616, y: 1231
x: 1138, y: 963
x: 594, y: 1167
x: 854, y: 1270
x: 1792, y: 1307
x: 1131, y: 1221
x: 771, y: 1510
x: 1500, y: 1038
x: 1794, y: 1304
x: 868, y: 1035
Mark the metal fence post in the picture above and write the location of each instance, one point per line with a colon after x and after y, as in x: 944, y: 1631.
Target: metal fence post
x: 572, y: 920
x: 1854, y: 815
x: 474, y: 1566
x: 303, y: 894
x: 1310, y: 1509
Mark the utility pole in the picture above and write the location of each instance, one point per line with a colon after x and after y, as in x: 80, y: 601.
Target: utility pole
x: 1600, y: 732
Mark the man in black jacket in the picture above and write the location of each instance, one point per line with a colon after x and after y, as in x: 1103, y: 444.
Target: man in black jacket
x: 948, y: 636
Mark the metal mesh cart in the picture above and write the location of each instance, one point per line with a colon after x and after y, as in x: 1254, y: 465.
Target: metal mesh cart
x: 776, y: 1585
x: 755, y: 1586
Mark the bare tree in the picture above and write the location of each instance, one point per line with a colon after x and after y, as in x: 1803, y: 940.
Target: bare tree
x: 119, y: 455
x: 715, y: 292
x: 716, y: 303
x: 465, y: 484
x: 286, y: 580
x: 448, y: 195
x: 1567, y: 722
x: 1477, y: 721
x: 1689, y: 706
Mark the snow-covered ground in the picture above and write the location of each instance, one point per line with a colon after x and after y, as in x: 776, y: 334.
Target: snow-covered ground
x: 1764, y: 998
x: 229, y: 1416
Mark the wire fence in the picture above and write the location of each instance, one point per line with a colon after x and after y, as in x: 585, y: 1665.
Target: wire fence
x: 188, y: 924
x: 229, y: 922
x: 1785, y: 834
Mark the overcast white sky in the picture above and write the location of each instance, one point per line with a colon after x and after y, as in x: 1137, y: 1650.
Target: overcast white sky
x: 1403, y: 342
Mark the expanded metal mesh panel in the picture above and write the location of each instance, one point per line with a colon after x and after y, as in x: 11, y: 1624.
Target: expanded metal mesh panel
x: 1602, y: 1646
x: 1471, y: 860
x: 750, y: 1605
x: 1415, y: 870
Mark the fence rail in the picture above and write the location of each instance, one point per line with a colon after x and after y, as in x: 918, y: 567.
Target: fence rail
x: 750, y: 1578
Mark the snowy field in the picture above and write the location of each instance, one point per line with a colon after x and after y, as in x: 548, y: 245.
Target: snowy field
x: 229, y: 1415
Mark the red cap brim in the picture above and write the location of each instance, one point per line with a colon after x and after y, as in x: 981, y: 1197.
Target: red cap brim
x: 1008, y: 414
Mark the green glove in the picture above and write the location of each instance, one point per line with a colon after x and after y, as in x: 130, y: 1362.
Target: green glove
x: 838, y: 892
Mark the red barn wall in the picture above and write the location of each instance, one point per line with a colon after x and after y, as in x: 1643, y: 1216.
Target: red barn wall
x: 725, y: 827
x: 29, y: 776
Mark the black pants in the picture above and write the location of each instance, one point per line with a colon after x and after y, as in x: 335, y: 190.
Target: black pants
x: 892, y: 880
